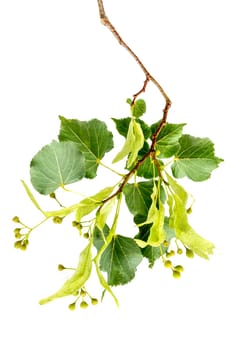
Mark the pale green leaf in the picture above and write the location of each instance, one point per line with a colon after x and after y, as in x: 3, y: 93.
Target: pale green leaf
x: 195, y: 158
x: 92, y: 137
x: 56, y: 165
x: 87, y: 205
x: 78, y: 279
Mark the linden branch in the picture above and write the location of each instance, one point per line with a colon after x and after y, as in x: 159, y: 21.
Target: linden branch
x: 106, y: 22
x: 151, y: 153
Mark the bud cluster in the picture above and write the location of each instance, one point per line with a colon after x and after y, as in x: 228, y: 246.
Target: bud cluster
x: 176, y: 269
x: 83, y: 299
x: 21, y: 237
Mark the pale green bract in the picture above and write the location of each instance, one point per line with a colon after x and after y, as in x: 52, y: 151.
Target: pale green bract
x: 79, y: 278
x: 179, y: 222
x: 155, y: 216
x: 30, y: 195
x: 133, y: 144
x: 89, y: 204
x: 104, y: 212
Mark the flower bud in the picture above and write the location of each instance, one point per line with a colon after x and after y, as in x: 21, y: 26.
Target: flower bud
x: 179, y: 251
x: 72, y: 306
x: 189, y: 253
x: 83, y: 293
x: 94, y: 301
x: 168, y: 264
x: 57, y: 220
x: 179, y: 268
x: 16, y: 219
x: 176, y: 274
x: 83, y: 304
x: 60, y: 267
x: 17, y: 233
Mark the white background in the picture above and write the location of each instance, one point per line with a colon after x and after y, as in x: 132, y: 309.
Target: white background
x: 56, y: 58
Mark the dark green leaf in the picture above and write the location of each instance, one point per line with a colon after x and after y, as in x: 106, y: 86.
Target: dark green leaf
x: 168, y: 139
x: 195, y: 158
x: 99, y: 236
x: 148, y: 169
x: 120, y: 260
x: 138, y: 199
x: 56, y: 165
x: 138, y: 108
x: 92, y: 138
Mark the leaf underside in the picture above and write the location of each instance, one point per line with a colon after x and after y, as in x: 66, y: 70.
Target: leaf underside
x: 92, y: 137
x: 57, y: 164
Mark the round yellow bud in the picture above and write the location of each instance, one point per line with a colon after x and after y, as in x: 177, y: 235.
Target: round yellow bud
x: 83, y: 304
x: 176, y: 274
x: 167, y: 264
x: 179, y: 268
x: 94, y: 301
x: 72, y: 306
x: 189, y: 253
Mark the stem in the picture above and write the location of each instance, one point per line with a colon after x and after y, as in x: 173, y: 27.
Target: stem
x: 151, y: 153
x: 105, y: 21
x: 112, y: 170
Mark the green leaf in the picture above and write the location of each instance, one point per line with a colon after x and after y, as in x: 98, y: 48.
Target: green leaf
x: 138, y: 108
x: 122, y: 126
x: 57, y: 164
x: 179, y: 222
x: 168, y: 139
x: 87, y: 205
x: 195, y: 158
x: 78, y: 279
x: 92, y: 138
x: 120, y: 260
x: 134, y: 142
x: 138, y: 199
x: 100, y: 236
